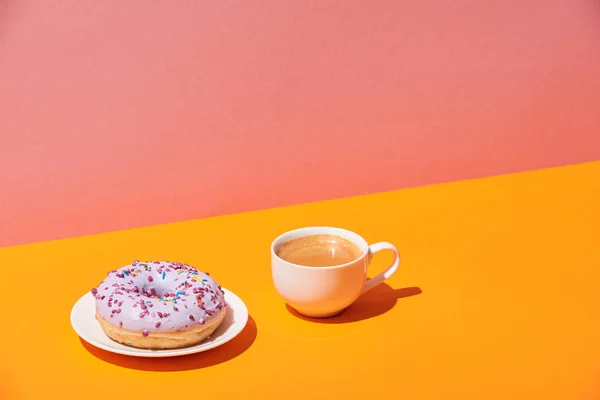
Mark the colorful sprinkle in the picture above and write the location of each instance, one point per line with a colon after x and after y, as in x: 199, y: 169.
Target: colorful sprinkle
x: 157, y: 324
x: 145, y: 333
x: 164, y: 274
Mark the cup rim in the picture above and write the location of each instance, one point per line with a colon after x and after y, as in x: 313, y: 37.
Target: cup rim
x: 332, y: 228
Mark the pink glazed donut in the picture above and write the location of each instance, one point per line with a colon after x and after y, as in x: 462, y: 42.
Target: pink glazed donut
x: 159, y: 305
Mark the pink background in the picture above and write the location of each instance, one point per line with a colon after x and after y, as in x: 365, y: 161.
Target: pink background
x: 116, y: 114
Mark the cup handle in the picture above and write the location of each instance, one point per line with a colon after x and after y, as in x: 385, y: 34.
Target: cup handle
x: 376, y: 248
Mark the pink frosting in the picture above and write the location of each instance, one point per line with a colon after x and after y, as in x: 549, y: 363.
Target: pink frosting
x: 158, y: 296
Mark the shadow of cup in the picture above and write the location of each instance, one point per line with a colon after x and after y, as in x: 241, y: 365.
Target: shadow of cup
x: 376, y: 301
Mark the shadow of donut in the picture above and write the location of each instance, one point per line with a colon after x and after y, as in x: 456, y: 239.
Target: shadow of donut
x: 218, y: 355
x: 376, y: 301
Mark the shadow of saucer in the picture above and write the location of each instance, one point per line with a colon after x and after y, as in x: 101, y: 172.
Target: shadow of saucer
x: 218, y: 355
x: 376, y: 301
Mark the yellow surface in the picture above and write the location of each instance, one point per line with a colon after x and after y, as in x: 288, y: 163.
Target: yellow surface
x: 508, y: 269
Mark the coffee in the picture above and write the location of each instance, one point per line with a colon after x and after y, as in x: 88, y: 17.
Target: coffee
x: 319, y: 251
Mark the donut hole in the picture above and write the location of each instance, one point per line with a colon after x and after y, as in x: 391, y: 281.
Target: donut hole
x: 157, y: 284
x: 156, y: 291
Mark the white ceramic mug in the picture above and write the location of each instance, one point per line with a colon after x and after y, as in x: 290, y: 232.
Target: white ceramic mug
x: 326, y: 291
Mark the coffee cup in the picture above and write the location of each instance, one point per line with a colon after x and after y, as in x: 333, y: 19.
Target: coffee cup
x: 320, y: 271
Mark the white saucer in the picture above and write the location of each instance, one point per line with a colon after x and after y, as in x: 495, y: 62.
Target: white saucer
x: 85, y: 324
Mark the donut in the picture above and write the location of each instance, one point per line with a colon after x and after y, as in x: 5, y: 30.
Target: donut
x: 159, y: 305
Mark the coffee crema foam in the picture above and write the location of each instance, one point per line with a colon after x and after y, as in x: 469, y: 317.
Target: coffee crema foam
x: 319, y: 251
